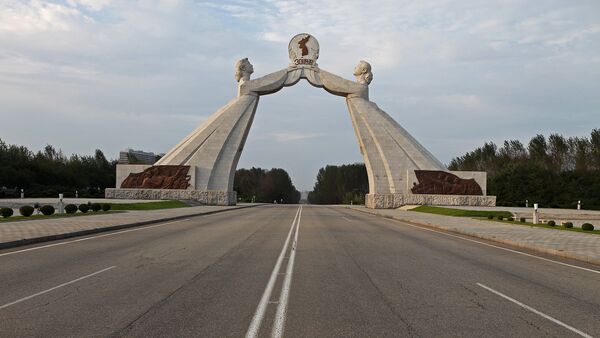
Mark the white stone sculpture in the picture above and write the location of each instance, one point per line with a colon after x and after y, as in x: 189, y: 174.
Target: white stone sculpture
x: 390, y: 153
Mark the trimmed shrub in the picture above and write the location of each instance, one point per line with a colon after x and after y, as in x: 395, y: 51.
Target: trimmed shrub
x: 26, y: 210
x: 551, y: 223
x: 587, y: 227
x: 568, y: 225
x: 70, y: 208
x: 522, y: 219
x: 510, y: 219
x: 500, y: 218
x: 490, y: 216
x: 6, y: 212
x: 84, y: 208
x: 106, y: 207
x: 47, y: 210
x: 96, y: 207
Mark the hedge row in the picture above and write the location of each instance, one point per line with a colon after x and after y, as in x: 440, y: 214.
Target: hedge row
x: 27, y: 210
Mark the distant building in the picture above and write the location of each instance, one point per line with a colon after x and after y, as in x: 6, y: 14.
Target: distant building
x: 131, y: 156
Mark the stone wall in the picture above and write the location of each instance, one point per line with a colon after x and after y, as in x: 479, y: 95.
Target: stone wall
x: 205, y: 197
x: 391, y: 201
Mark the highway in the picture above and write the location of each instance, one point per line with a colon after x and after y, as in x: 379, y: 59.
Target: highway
x: 294, y: 271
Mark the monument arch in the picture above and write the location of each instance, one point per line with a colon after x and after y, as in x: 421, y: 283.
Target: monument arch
x: 202, y: 166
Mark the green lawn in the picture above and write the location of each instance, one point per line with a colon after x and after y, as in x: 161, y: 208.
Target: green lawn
x: 17, y: 217
x: 460, y: 212
x: 149, y: 205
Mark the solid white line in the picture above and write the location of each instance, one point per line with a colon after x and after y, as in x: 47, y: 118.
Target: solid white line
x: 56, y: 287
x: 556, y: 321
x: 88, y: 238
x: 499, y: 247
x: 279, y: 323
x: 264, y: 301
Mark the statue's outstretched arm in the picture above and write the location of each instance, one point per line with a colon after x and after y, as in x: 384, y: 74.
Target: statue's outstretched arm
x: 267, y: 84
x: 339, y: 86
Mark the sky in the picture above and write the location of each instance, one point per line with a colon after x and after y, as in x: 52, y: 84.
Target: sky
x: 113, y: 74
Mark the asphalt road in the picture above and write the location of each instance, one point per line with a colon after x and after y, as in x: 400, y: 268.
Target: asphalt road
x: 299, y: 272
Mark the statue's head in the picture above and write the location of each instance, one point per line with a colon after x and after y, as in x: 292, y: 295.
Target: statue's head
x: 362, y: 72
x: 243, y: 69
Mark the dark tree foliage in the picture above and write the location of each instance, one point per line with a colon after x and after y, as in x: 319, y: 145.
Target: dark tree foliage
x: 340, y: 184
x: 265, y: 186
x: 49, y: 172
x: 554, y: 171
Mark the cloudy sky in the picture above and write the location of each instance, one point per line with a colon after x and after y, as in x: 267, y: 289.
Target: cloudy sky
x: 116, y: 74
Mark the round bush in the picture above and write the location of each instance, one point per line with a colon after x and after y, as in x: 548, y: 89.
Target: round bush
x: 6, y: 212
x: 551, y: 223
x: 106, y: 207
x: 500, y: 218
x: 587, y: 227
x: 70, y: 208
x: 47, y: 210
x: 84, y: 208
x: 510, y: 219
x: 26, y: 210
x: 522, y: 219
x: 490, y: 216
x: 96, y: 207
x: 568, y: 225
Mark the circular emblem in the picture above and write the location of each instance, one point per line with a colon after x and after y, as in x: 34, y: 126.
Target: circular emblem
x: 304, y: 50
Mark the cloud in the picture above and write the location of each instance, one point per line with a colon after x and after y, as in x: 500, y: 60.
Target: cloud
x: 454, y: 73
x: 293, y: 136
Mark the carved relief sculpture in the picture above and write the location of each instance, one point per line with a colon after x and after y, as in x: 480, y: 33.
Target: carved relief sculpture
x: 159, y: 177
x: 444, y: 183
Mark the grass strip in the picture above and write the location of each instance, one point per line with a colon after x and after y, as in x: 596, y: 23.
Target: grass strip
x: 149, y: 205
x: 460, y: 212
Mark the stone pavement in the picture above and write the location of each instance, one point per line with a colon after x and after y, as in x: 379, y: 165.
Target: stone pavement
x: 570, y: 244
x: 578, y: 217
x: 34, y: 231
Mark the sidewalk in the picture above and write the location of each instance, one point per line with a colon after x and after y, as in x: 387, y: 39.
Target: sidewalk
x: 576, y: 245
x: 27, y: 232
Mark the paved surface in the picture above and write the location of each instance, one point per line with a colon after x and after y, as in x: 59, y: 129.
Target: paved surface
x: 569, y: 244
x: 27, y: 230
x: 558, y: 215
x: 351, y: 274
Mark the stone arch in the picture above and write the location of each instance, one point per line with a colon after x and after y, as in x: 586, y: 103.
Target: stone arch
x: 395, y: 160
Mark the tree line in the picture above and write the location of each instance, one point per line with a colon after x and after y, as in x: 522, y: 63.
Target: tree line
x: 265, y: 186
x: 343, y: 184
x: 49, y: 172
x: 553, y: 171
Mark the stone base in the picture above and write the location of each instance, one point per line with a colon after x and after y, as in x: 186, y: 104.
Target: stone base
x: 205, y: 197
x: 392, y: 201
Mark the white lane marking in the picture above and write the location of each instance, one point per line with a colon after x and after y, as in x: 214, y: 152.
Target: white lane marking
x: 264, y: 301
x: 56, y: 287
x: 279, y: 323
x: 554, y: 320
x: 497, y: 247
x: 88, y: 238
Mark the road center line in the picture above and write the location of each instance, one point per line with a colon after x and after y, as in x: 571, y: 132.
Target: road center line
x: 254, y: 327
x: 54, y: 288
x: 554, y: 320
x: 279, y: 323
x: 495, y: 246
x: 88, y: 238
